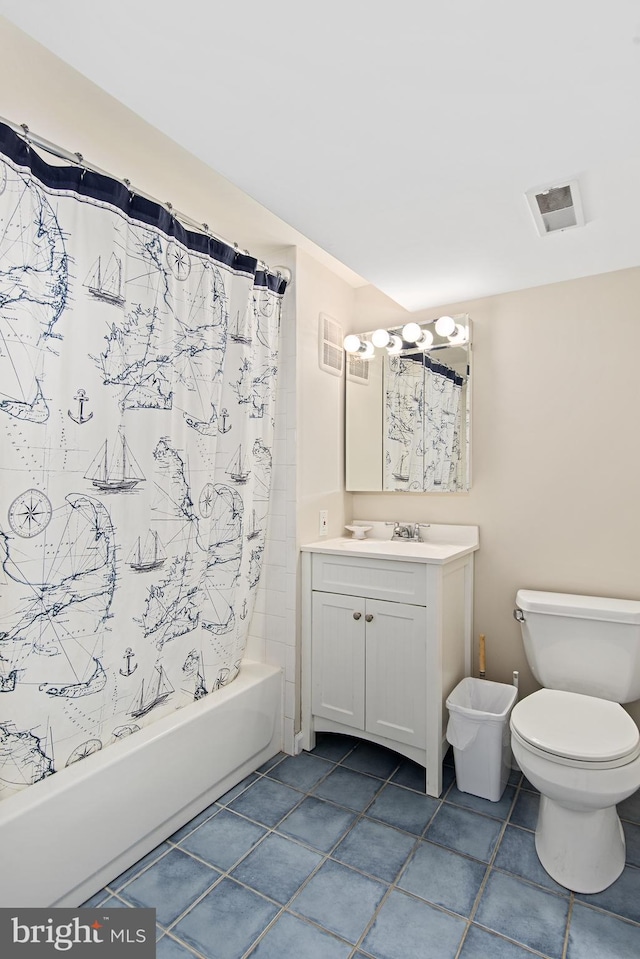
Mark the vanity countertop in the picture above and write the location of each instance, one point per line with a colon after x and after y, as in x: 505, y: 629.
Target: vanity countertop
x: 440, y: 544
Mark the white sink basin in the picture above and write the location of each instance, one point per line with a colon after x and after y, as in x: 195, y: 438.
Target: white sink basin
x: 442, y: 544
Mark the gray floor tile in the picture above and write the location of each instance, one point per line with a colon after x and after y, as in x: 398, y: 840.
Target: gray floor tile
x: 517, y: 854
x: 630, y: 808
x: 340, y: 900
x: 498, y: 810
x: 524, y: 913
x: 226, y: 922
x: 411, y: 775
x: 443, y: 877
x: 348, y: 788
x: 372, y: 759
x: 525, y: 811
x: 277, y: 867
x: 403, y: 808
x: 236, y: 790
x: 137, y: 867
x: 465, y: 831
x: 302, y: 771
x: 293, y: 938
x: 593, y: 934
x: 168, y: 948
x: 406, y: 927
x: 170, y: 886
x: 480, y: 944
x: 333, y: 747
x: 632, y: 837
x: 221, y: 841
x: 266, y: 801
x: 375, y: 849
x: 319, y: 823
x: 621, y: 898
x: 194, y: 823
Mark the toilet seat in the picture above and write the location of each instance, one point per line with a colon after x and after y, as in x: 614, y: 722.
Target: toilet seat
x: 576, y: 730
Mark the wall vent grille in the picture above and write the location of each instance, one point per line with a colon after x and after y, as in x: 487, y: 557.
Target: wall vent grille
x: 330, y: 349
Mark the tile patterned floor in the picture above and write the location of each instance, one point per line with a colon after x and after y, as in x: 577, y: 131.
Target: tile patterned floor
x: 336, y: 854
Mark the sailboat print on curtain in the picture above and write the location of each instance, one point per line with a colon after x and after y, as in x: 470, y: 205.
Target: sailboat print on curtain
x: 114, y: 470
x: 145, y: 508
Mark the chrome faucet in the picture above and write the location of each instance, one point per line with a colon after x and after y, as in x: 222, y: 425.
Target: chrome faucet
x: 407, y: 531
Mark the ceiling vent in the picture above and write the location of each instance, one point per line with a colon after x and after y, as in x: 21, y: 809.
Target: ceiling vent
x: 556, y: 207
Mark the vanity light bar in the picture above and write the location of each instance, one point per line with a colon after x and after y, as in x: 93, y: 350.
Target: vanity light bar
x: 414, y: 336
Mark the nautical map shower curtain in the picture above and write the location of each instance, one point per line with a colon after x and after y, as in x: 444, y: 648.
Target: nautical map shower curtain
x: 138, y: 366
x: 422, y: 424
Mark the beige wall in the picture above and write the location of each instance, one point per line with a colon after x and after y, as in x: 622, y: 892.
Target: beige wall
x: 320, y: 438
x: 555, y: 449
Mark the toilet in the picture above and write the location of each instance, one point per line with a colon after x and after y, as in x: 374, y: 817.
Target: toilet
x: 572, y: 739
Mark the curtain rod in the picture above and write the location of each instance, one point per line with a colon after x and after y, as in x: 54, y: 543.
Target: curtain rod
x: 77, y: 159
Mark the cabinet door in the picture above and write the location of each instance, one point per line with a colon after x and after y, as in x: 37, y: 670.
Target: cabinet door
x: 396, y: 680
x: 337, y: 658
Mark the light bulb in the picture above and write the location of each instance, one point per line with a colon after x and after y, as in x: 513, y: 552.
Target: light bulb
x: 395, y: 345
x: 425, y: 340
x: 380, y: 338
x: 459, y: 335
x: 352, y: 343
x: 411, y: 332
x: 367, y: 350
x: 445, y: 325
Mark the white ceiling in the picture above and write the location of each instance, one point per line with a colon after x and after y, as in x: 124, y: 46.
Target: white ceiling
x: 400, y: 137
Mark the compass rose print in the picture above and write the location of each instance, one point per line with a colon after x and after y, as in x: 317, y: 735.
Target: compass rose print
x: 205, y: 502
x: 178, y: 261
x: 29, y: 514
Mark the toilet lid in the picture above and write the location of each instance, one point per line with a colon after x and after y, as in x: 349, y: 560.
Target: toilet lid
x: 575, y: 726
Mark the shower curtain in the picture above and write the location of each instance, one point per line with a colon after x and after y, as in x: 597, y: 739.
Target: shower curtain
x: 138, y: 366
x: 422, y: 426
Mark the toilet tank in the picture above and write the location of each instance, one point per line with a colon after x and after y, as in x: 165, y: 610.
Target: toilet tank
x: 584, y: 644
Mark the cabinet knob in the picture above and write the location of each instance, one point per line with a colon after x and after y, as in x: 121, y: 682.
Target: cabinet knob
x: 357, y: 615
x: 369, y: 617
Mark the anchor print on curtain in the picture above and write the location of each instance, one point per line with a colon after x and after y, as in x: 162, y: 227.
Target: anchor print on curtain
x: 138, y: 366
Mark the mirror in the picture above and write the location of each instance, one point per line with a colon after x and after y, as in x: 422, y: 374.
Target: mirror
x: 408, y: 414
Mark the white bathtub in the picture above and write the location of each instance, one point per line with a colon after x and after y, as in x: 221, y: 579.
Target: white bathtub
x: 67, y: 836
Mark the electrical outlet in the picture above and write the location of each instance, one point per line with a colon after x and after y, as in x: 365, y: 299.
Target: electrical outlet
x: 324, y: 522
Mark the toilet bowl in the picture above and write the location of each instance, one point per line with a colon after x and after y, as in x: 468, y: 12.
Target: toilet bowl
x: 583, y: 754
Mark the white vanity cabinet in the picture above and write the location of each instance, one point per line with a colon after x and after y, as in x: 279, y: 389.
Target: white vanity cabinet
x: 386, y: 635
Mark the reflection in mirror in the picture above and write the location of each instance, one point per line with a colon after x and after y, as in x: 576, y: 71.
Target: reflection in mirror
x: 408, y: 414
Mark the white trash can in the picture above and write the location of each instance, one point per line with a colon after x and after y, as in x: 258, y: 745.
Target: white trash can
x: 479, y: 732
